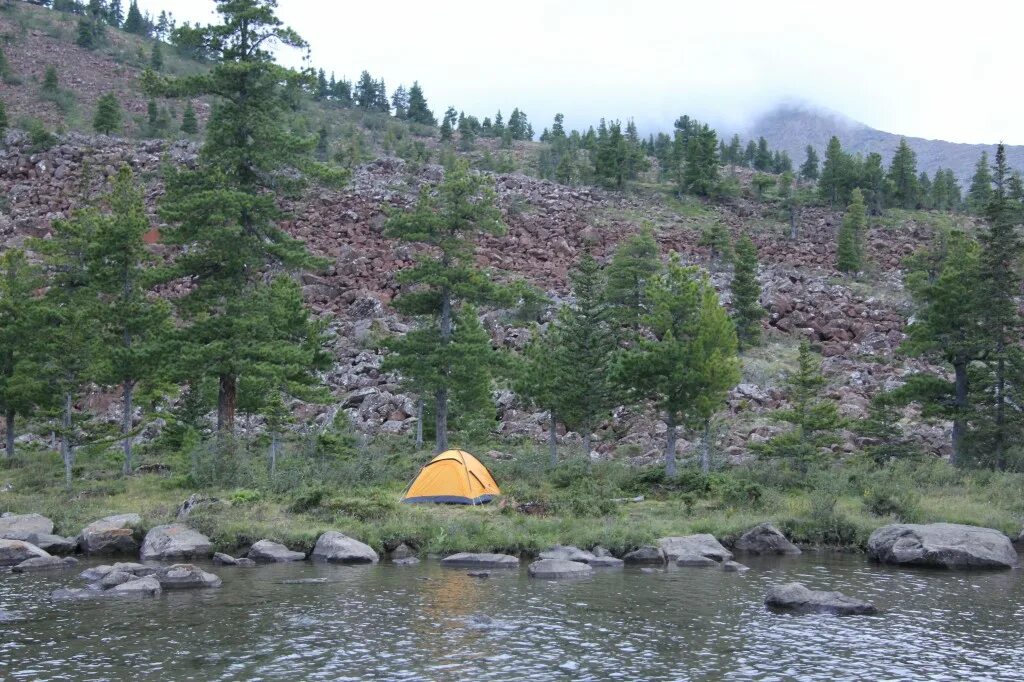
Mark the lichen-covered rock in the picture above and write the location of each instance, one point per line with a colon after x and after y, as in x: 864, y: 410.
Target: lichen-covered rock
x: 110, y: 535
x: 270, y: 552
x: 942, y: 545
x: 13, y: 552
x: 559, y: 568
x: 175, y: 541
x: 480, y: 560
x: 801, y: 599
x: 339, y: 548
x: 765, y: 538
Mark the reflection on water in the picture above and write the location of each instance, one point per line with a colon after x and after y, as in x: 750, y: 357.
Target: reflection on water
x: 425, y: 622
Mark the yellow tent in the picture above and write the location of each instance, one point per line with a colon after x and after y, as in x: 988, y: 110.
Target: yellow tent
x: 455, y: 477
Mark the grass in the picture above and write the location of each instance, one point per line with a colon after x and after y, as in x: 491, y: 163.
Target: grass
x: 837, y: 507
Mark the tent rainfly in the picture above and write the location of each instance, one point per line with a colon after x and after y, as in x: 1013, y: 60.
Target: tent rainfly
x: 453, y: 477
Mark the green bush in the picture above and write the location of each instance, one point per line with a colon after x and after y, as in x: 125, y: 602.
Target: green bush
x: 243, y: 496
x: 40, y: 139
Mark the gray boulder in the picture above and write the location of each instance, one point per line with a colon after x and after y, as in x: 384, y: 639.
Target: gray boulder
x: 485, y: 560
x: 110, y: 535
x: 407, y: 561
x: 115, y: 578
x: 800, y: 599
x: 339, y: 548
x: 600, y: 551
x: 691, y: 547
x: 734, y: 567
x: 606, y: 562
x: 221, y: 559
x: 559, y: 568
x: 765, y: 538
x: 136, y: 570
x: 185, y: 577
x: 648, y: 554
x: 694, y: 561
x: 13, y: 552
x: 24, y: 523
x: 570, y: 553
x: 403, y: 551
x: 942, y: 545
x: 45, y: 563
x: 175, y: 541
x: 270, y: 552
x: 140, y: 587
x: 51, y: 544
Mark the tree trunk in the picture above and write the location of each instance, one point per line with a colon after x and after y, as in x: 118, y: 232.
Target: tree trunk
x: 126, y: 425
x: 226, y: 399
x: 441, y: 420
x: 670, y: 445
x: 9, y: 423
x: 960, y: 418
x: 553, y: 438
x: 67, y: 450
x: 705, y: 448
x: 419, y: 423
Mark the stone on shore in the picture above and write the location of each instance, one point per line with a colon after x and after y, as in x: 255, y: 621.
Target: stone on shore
x: 110, y: 535
x: 339, y: 548
x: 692, y: 547
x: 765, y: 538
x: 942, y: 545
x: 559, y: 568
x: 13, y: 552
x: 267, y: 551
x: 175, y: 541
x: 480, y: 560
x: 800, y: 599
x: 648, y: 554
x: 186, y: 576
x: 24, y: 523
x: 45, y: 563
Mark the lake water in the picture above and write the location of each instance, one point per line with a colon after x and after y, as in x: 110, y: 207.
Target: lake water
x: 428, y: 623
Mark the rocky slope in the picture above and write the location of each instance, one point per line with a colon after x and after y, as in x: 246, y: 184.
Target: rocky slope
x: 858, y: 326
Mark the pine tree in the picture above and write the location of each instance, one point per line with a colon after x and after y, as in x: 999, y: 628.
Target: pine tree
x: 440, y: 283
x: 189, y: 122
x: 924, y: 187
x: 816, y: 420
x: 874, y: 183
x: 365, y: 93
x: 688, y: 363
x: 226, y: 209
x: 108, y: 115
x: 980, y: 194
x: 115, y: 15
x: 448, y: 124
x: 763, y: 156
x: 746, y: 294
x: 22, y: 388
x: 133, y: 22
x: 634, y: 264
x: 400, y: 103
x: 50, y: 81
x: 903, y: 176
x: 418, y: 111
x: 700, y: 173
x: 156, y: 58
x: 540, y: 378
x: 850, y: 250
x: 809, y: 169
x: 834, y: 184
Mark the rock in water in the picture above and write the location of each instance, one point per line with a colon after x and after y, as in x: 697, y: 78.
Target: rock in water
x: 407, y: 561
x: 186, y: 576
x: 559, y: 568
x: 142, y: 587
x: 765, y: 538
x: 41, y: 563
x: 110, y: 535
x: 175, y: 541
x: 221, y: 559
x: 484, y: 560
x: 339, y: 548
x: 942, y: 545
x: 800, y: 599
x: 692, y: 547
x: 403, y: 551
x: 647, y: 554
x: 267, y: 551
x: 606, y: 562
x: 115, y: 578
x: 13, y: 552
x: 693, y: 561
x: 734, y: 567
x: 24, y: 523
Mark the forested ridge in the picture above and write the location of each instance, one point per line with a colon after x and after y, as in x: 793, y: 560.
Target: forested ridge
x: 222, y: 274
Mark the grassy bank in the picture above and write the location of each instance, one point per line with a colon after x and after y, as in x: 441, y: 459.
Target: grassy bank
x: 838, y: 506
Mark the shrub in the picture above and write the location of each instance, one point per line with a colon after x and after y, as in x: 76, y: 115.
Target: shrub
x: 886, y: 497
x: 39, y: 137
x: 243, y: 496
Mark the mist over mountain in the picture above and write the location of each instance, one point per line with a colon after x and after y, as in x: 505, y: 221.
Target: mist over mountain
x: 792, y: 127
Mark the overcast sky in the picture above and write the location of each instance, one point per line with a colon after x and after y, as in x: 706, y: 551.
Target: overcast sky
x: 934, y: 69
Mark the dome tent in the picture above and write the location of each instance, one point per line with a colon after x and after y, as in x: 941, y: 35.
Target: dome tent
x: 453, y: 477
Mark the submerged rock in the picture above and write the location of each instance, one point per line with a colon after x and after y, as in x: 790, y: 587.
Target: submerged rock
x: 41, y: 563
x: 559, y: 568
x: 480, y: 560
x: 110, y: 535
x: 765, y: 538
x: 304, y: 581
x: 693, y: 561
x: 339, y: 548
x: 942, y: 545
x: 800, y: 599
x: 267, y: 551
x: 606, y: 562
x: 186, y: 576
x: 403, y: 551
x: 693, y: 547
x: 734, y: 567
x: 648, y: 554
x: 175, y: 541
x: 13, y: 552
x: 407, y: 561
x: 148, y: 586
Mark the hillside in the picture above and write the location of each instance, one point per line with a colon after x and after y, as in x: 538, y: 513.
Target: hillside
x: 792, y: 128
